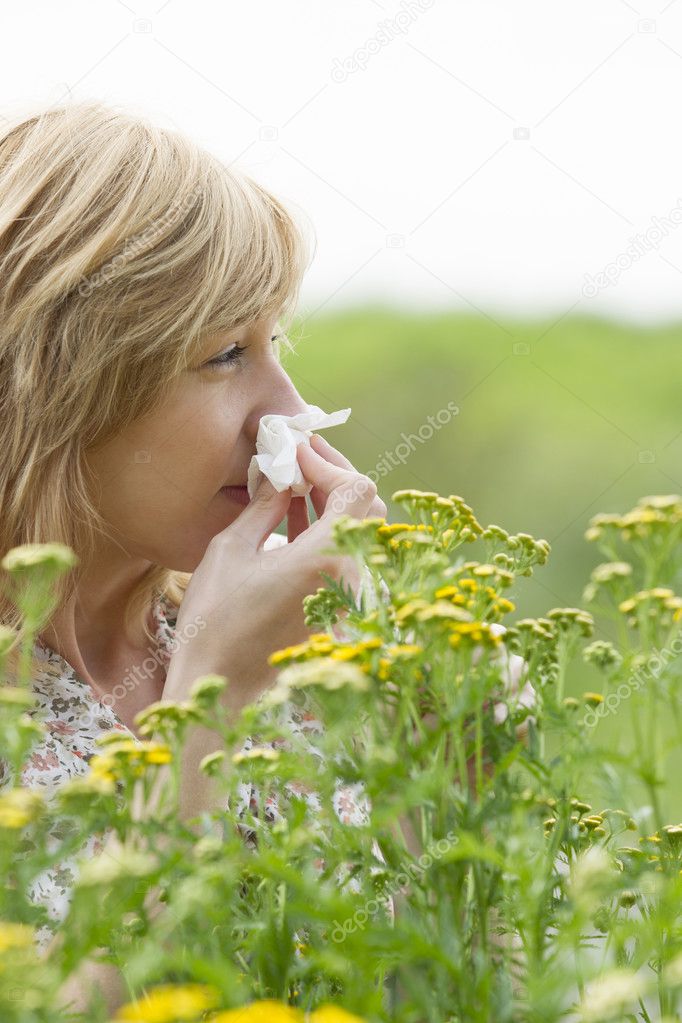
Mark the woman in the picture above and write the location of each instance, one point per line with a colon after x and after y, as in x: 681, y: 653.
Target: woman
x: 144, y: 291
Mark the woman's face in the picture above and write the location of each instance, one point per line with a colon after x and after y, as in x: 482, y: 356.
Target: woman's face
x: 161, y: 477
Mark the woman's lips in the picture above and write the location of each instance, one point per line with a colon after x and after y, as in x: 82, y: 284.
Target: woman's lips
x: 238, y: 494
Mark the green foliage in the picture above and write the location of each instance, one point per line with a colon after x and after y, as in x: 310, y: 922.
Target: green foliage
x: 479, y: 882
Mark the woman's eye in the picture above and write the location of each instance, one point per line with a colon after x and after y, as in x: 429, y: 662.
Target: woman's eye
x: 231, y: 355
x: 227, y: 357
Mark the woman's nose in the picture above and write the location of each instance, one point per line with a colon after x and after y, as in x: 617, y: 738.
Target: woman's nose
x: 286, y: 402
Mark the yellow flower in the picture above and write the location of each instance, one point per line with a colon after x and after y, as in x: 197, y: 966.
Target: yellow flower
x: 127, y: 756
x: 594, y: 699
x: 318, y: 643
x: 163, y: 715
x: 113, y: 742
x: 333, y: 1014
x: 319, y: 671
x: 397, y: 544
x: 157, y: 753
x: 468, y: 584
x: 404, y: 649
x: 476, y: 632
x: 394, y: 527
x: 410, y: 609
x: 427, y: 496
x: 91, y: 784
x: 19, y: 807
x: 14, y: 935
x: 255, y: 753
x: 384, y: 669
x: 346, y: 653
x: 169, y: 1003
x: 102, y: 769
x: 443, y: 609
x: 265, y: 1011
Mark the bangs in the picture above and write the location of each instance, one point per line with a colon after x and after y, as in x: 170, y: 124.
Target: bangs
x: 252, y: 260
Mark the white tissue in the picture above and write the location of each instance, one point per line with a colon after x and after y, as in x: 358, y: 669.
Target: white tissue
x: 276, y: 443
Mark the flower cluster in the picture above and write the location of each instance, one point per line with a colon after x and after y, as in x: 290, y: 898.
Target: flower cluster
x: 658, y: 603
x: 572, y: 619
x: 125, y: 758
x: 322, y: 644
x: 327, y: 674
x: 471, y: 589
x: 19, y: 807
x: 603, y: 654
x: 535, y: 639
x: 169, y: 1003
x: 651, y: 517
x: 518, y: 552
x: 450, y: 517
x: 610, y: 575
x: 320, y: 609
x: 581, y: 822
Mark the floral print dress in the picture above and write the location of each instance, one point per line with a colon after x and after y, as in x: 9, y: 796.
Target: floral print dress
x: 73, y: 718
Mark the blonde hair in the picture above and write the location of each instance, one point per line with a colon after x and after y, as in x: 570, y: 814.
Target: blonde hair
x: 122, y: 246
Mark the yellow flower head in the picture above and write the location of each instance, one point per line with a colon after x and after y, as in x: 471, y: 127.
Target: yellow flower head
x: 333, y: 1014
x: 91, y: 784
x: 473, y: 632
x: 443, y: 609
x: 318, y: 644
x: 404, y: 649
x: 468, y: 584
x: 323, y: 672
x: 18, y: 807
x: 255, y: 753
x: 127, y: 756
x: 265, y: 1011
x: 169, y: 1003
x: 13, y: 935
x: 391, y: 528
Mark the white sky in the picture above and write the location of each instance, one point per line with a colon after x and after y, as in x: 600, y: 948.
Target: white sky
x: 418, y: 191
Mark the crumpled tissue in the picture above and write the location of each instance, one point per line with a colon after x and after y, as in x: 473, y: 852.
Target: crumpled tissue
x: 276, y: 443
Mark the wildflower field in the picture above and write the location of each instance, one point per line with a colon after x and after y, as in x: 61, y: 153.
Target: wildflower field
x: 481, y: 884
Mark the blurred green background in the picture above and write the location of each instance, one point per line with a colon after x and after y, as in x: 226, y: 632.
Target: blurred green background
x: 557, y: 420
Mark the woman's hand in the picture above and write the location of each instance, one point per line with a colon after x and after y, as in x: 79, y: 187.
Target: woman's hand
x: 250, y: 599
x: 311, y: 466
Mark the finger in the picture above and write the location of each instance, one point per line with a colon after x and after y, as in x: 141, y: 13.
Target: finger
x: 298, y: 519
x: 348, y: 492
x: 324, y: 448
x: 262, y: 515
x: 319, y: 501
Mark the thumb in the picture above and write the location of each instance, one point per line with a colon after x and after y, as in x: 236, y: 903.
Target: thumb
x: 264, y: 513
